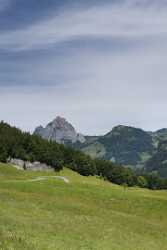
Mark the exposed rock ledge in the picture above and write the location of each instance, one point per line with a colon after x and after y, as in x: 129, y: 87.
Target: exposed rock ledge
x: 26, y: 165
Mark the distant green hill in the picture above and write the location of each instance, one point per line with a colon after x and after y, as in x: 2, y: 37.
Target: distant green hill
x: 85, y: 214
x: 131, y: 147
x: 125, y: 145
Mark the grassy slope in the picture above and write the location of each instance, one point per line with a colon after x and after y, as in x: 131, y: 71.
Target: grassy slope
x: 87, y: 214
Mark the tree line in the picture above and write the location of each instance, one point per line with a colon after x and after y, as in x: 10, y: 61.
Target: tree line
x: 17, y: 144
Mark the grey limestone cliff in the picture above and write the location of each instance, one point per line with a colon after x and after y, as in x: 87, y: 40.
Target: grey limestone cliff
x: 61, y: 131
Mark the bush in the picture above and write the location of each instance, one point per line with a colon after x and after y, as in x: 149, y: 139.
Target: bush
x: 142, y: 182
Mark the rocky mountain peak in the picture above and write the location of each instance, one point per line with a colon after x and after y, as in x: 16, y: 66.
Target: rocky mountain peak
x: 61, y: 123
x: 61, y: 131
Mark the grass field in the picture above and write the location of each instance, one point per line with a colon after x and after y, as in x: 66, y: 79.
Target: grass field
x: 85, y: 214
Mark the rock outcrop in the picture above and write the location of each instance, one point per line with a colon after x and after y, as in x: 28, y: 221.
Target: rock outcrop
x: 26, y: 165
x: 61, y: 131
x: 19, y: 164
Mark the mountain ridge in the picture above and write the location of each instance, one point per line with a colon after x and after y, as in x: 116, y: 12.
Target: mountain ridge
x: 126, y: 145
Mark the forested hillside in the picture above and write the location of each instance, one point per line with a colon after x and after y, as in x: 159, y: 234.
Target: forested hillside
x: 158, y: 163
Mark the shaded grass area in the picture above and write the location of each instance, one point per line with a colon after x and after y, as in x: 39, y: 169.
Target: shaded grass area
x: 86, y: 214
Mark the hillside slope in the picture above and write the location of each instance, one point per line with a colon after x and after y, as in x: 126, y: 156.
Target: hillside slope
x: 86, y: 213
x: 124, y: 145
x: 158, y: 162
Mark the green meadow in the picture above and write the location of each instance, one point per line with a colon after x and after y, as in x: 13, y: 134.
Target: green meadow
x: 85, y: 214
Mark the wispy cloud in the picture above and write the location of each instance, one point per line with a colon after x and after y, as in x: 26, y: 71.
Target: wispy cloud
x: 120, y: 20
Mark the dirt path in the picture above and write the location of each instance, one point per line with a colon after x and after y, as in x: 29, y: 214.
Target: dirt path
x: 42, y: 178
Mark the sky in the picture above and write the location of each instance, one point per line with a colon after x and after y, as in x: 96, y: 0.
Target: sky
x: 96, y: 63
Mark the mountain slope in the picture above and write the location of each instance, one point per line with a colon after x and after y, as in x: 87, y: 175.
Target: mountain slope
x: 124, y: 145
x: 158, y: 162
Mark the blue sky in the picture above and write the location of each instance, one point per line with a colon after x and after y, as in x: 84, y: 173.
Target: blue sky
x: 97, y: 63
